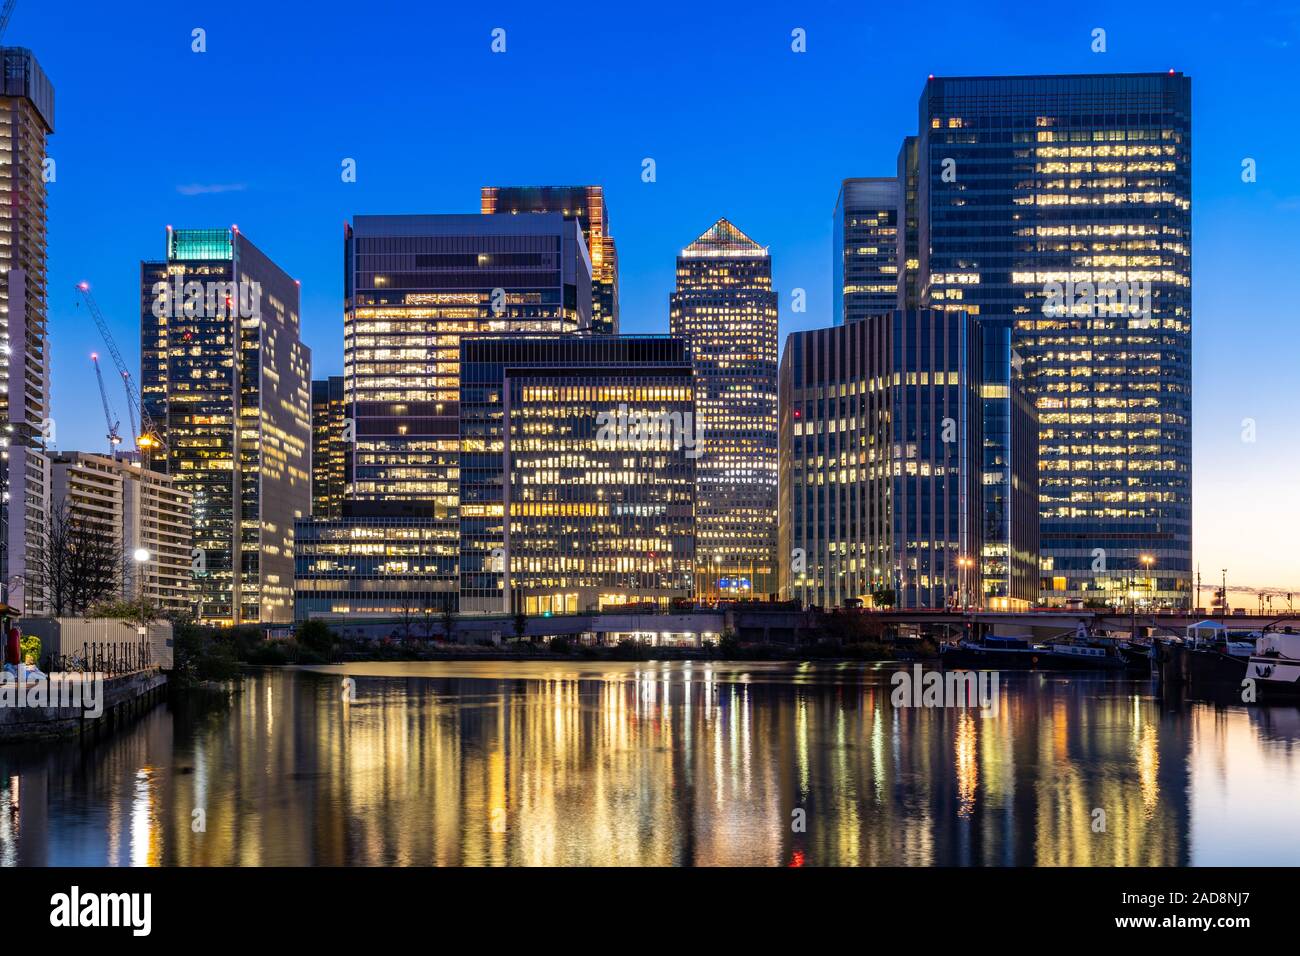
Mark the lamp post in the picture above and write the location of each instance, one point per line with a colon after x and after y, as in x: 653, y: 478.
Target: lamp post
x: 963, y: 566
x: 1147, y: 561
x: 141, y: 556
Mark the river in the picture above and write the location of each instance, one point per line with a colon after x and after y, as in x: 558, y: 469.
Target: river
x: 659, y: 764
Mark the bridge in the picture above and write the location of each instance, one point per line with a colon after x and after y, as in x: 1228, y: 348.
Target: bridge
x: 787, y: 624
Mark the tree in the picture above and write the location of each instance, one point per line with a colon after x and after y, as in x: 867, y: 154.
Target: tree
x: 141, y: 612
x: 317, y: 637
x: 77, y: 563
x: 883, y: 597
x: 408, y: 614
x: 521, y: 625
x: 448, y: 622
x: 427, y: 606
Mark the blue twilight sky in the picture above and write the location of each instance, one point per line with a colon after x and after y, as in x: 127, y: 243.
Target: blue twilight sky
x: 253, y: 132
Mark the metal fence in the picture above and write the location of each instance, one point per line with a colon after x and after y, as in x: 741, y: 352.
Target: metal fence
x: 108, y: 657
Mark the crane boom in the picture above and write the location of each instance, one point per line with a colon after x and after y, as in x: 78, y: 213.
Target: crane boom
x: 5, y: 15
x: 130, y: 409
x: 114, y: 439
x: 147, y: 438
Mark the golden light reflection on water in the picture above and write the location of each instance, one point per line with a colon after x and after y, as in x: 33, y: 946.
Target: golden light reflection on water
x: 657, y: 764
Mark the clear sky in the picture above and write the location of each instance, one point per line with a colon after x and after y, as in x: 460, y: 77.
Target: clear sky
x: 254, y: 131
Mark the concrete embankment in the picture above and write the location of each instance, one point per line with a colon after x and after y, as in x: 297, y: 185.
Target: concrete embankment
x: 117, y: 700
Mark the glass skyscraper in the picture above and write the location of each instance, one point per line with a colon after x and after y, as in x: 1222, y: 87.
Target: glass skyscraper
x: 577, y: 473
x: 1063, y: 204
x: 227, y: 381
x: 725, y: 309
x: 414, y: 286
x: 866, y: 236
x: 586, y: 204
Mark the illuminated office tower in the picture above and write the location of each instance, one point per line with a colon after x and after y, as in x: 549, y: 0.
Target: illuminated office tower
x: 328, y: 451
x: 588, y: 444
x: 1063, y: 204
x: 414, y: 286
x: 880, y: 429
x: 227, y: 380
x: 725, y: 308
x: 586, y: 204
x: 867, y: 218
x: 26, y: 119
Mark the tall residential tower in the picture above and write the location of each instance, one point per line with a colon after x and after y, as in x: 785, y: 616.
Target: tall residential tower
x: 26, y: 119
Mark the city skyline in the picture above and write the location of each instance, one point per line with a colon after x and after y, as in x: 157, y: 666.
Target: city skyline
x: 1235, y: 478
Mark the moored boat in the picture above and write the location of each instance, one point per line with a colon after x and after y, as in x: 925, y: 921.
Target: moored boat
x: 991, y: 651
x: 1275, y: 665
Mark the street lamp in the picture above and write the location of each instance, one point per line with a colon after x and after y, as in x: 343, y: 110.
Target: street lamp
x: 1147, y: 560
x: 963, y: 563
x: 141, y: 556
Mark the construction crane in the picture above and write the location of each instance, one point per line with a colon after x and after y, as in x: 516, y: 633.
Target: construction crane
x: 5, y: 15
x: 114, y: 438
x: 146, y: 438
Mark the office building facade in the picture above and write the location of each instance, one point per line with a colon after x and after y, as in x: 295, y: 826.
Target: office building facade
x: 577, y: 473
x: 329, y: 455
x: 226, y: 381
x: 586, y: 204
x: 26, y: 120
x: 880, y: 433
x: 725, y: 309
x: 867, y: 220
x: 414, y: 286
x: 1063, y: 204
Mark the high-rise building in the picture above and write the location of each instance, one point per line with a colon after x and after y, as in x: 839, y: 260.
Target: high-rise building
x: 1063, y: 204
x: 141, y: 515
x: 1008, y: 462
x: 328, y: 450
x: 414, y: 286
x: 577, y: 473
x: 880, y: 432
x: 586, y: 204
x: 725, y: 309
x: 909, y: 252
x: 26, y: 119
x: 867, y: 221
x: 226, y: 379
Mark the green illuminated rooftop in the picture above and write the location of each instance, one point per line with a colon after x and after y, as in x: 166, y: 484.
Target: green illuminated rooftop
x: 188, y: 244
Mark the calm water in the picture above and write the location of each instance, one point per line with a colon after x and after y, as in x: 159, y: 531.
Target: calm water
x: 660, y: 764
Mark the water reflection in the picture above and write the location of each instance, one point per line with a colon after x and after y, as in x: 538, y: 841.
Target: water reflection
x: 660, y: 764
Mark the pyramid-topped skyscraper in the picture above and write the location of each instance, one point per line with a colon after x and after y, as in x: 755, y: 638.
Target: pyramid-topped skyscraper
x: 725, y: 308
